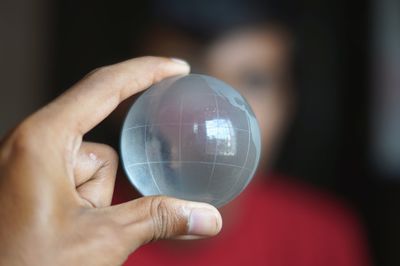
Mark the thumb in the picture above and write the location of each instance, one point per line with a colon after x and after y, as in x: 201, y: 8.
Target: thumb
x: 158, y: 217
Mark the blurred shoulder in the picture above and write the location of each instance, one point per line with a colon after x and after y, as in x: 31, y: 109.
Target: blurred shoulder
x: 310, y: 220
x: 302, y: 199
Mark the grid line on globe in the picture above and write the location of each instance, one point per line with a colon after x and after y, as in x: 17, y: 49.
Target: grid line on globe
x: 216, y: 146
x: 195, y: 138
x: 147, y: 157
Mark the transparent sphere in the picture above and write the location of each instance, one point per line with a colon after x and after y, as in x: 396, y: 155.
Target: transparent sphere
x: 191, y: 137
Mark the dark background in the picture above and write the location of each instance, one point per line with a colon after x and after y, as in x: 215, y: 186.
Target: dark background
x: 329, y: 144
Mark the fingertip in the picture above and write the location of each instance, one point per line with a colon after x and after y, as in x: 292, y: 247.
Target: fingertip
x: 180, y: 61
x: 163, y: 67
x: 180, y: 65
x: 203, y: 220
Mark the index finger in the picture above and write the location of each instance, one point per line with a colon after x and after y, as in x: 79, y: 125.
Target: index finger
x: 93, y: 98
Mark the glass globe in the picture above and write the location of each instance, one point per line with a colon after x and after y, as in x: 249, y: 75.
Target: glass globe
x: 191, y: 137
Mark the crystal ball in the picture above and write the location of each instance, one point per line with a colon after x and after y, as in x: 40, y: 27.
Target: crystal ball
x: 191, y: 137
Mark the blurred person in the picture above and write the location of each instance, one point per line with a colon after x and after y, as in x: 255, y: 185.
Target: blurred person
x: 276, y: 220
x: 56, y: 189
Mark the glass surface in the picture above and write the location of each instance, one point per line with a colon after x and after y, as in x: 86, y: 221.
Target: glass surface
x: 191, y: 137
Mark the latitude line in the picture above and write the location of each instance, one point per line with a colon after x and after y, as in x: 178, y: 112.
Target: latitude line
x: 200, y: 162
x: 176, y: 124
x: 160, y: 93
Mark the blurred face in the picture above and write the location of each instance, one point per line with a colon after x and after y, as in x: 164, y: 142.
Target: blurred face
x: 254, y: 61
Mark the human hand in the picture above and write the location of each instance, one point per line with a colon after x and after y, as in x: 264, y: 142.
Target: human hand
x: 56, y: 190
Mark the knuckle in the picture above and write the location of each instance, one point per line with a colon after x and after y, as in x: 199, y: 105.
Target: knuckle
x: 110, y: 156
x: 97, y: 71
x: 29, y: 138
x: 107, y: 75
x: 24, y: 137
x: 103, y: 74
x: 163, y: 218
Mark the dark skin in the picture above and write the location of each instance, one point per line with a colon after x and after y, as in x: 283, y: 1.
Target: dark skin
x: 56, y: 190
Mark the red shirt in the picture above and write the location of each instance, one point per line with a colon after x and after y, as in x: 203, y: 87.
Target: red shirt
x: 272, y: 223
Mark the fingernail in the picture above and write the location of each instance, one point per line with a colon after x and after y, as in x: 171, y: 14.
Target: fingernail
x: 179, y: 61
x: 203, y: 222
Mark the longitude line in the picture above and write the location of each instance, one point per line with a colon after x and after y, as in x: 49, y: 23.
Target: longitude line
x: 147, y: 157
x: 216, y: 146
x: 180, y: 129
x: 180, y: 139
x: 245, y: 161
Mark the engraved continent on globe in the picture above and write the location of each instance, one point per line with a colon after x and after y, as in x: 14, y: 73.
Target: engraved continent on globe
x: 191, y: 137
